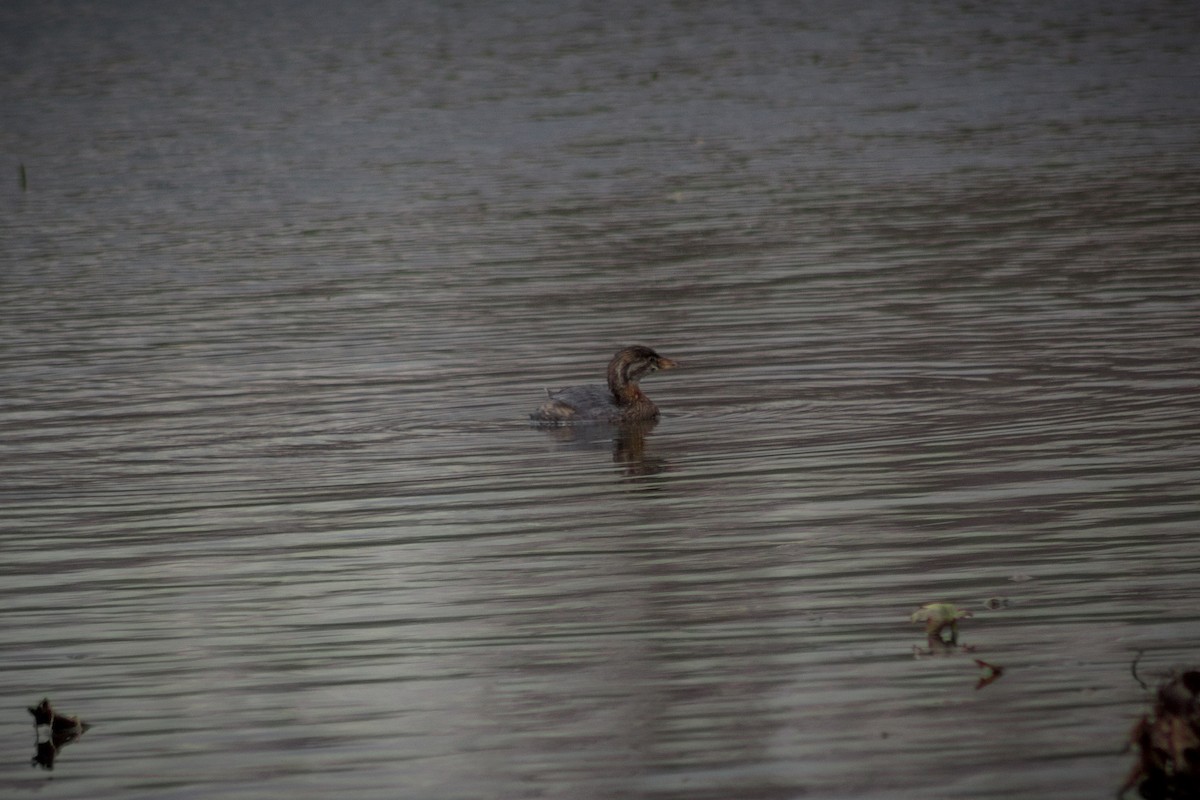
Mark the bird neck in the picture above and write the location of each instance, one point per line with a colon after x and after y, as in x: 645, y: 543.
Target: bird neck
x: 623, y: 383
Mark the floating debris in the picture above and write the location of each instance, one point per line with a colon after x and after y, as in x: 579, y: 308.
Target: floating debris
x: 44, y: 714
x: 939, y: 617
x: 54, y: 732
x: 1168, y: 742
x: 988, y: 673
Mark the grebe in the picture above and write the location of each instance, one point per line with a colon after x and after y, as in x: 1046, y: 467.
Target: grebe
x: 621, y: 401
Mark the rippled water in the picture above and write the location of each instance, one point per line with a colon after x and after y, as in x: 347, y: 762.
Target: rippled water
x: 282, y: 286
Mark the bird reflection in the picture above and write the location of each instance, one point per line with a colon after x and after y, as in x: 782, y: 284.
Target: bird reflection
x: 628, y: 442
x: 629, y: 450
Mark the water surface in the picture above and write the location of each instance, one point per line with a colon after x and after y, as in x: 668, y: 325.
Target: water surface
x: 283, y: 286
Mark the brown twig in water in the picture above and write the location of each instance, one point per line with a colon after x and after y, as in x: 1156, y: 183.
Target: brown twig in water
x: 1133, y: 669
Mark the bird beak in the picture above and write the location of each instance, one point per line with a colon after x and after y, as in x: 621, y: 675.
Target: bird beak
x: 666, y: 363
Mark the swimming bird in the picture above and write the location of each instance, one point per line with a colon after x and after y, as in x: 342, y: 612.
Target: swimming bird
x: 622, y: 400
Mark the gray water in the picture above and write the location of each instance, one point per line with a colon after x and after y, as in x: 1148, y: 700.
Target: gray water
x: 283, y: 283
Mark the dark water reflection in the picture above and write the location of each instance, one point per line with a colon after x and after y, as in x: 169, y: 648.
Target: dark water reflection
x: 284, y: 286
